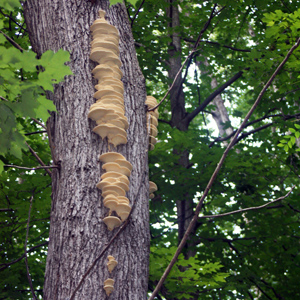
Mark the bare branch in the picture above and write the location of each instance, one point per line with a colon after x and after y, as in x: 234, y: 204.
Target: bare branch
x: 40, y: 123
x: 244, y: 135
x: 25, y: 253
x: 38, y: 158
x: 218, y: 44
x: 36, y: 132
x: 136, y: 13
x: 20, y: 258
x: 12, y: 19
x: 16, y: 45
x: 211, y: 97
x: 34, y: 168
x: 249, y: 208
x: 6, y: 209
x: 214, y: 175
x: 4, y: 99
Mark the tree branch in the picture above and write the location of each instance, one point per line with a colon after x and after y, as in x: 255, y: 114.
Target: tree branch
x: 4, y: 99
x: 211, y: 97
x: 214, y: 175
x: 249, y: 208
x: 20, y: 258
x: 36, y: 132
x: 12, y: 19
x: 136, y: 13
x: 244, y: 135
x: 35, y: 168
x: 40, y: 123
x: 16, y: 45
x: 218, y: 44
x: 38, y: 159
x: 25, y: 251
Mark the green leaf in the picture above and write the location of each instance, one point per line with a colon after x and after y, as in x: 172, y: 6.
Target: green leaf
x: 10, y: 4
x: 113, y: 2
x: 1, y: 166
x: 292, y: 130
x: 286, y: 148
x: 55, y: 68
x: 297, y: 126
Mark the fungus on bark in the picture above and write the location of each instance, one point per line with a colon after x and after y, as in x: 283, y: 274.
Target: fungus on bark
x: 112, y: 263
x: 109, y: 286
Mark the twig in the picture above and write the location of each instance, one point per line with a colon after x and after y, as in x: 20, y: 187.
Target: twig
x: 40, y: 123
x: 25, y: 253
x: 16, y: 45
x: 34, y: 168
x: 218, y: 44
x: 249, y: 208
x: 110, y: 242
x: 189, y: 56
x: 254, y: 130
x: 12, y: 19
x: 136, y: 13
x: 6, y: 209
x: 38, y: 158
x: 214, y: 175
x: 36, y: 132
x: 4, y: 99
x: 211, y: 97
x: 21, y: 257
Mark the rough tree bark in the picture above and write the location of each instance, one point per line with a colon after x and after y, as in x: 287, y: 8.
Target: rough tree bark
x: 77, y: 232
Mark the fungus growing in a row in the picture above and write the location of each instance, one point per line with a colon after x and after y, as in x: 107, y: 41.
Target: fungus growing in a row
x: 110, y: 89
x: 111, y: 263
x: 114, y: 184
x: 109, y: 286
x: 152, y: 189
x: 152, y: 122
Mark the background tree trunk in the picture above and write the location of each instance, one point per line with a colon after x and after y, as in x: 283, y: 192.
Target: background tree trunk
x: 77, y: 232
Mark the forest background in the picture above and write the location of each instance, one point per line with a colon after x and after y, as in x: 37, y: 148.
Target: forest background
x: 232, y: 49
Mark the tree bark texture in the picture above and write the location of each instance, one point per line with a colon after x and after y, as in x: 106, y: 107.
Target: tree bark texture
x: 185, y: 205
x: 77, y: 232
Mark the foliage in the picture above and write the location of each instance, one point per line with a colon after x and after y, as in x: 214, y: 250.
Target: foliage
x: 24, y: 80
x: 254, y: 255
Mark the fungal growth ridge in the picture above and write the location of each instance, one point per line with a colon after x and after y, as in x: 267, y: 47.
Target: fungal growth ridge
x: 109, y: 114
x: 152, y: 122
x: 108, y: 111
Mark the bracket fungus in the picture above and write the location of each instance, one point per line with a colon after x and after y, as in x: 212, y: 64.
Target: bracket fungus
x: 123, y: 210
x: 111, y: 263
x: 109, y: 113
x: 109, y: 95
x: 109, y: 286
x: 152, y: 122
x: 112, y: 222
x: 152, y: 189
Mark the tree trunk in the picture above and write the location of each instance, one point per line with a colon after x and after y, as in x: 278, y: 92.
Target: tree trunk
x: 77, y: 232
x: 185, y: 205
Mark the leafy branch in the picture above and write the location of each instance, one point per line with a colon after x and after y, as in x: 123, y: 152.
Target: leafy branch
x: 215, y: 173
x: 249, y: 208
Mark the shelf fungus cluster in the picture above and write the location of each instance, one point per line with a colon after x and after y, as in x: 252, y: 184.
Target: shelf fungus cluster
x: 109, y: 283
x: 114, y: 184
x: 108, y: 111
x: 152, y: 121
